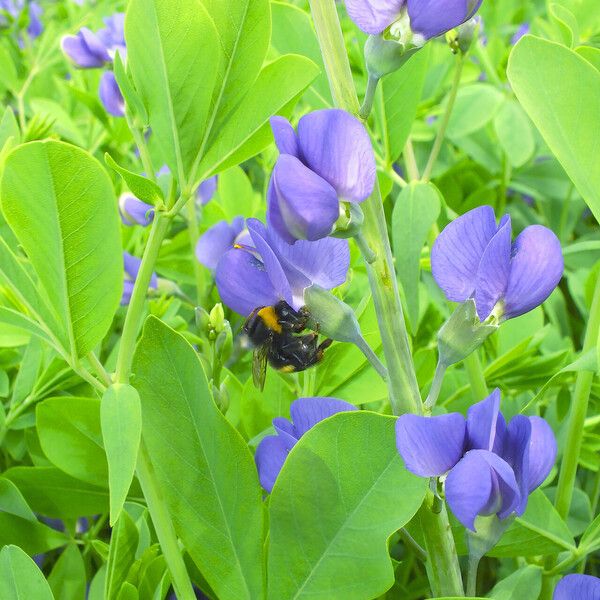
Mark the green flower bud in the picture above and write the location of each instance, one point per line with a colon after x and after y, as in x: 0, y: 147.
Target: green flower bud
x: 217, y: 318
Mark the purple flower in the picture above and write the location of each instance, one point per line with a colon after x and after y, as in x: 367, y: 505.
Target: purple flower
x: 135, y: 211
x: 111, y: 96
x: 132, y: 268
x: 15, y: 7
x: 265, y: 269
x: 474, y: 257
x: 217, y: 240
x: 521, y: 31
x: 328, y: 160
x: 492, y: 466
x: 428, y: 18
x: 206, y: 190
x: 273, y: 449
x: 579, y: 587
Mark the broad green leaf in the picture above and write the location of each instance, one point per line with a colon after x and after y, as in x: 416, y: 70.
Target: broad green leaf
x: 9, y: 127
x: 123, y: 545
x: 401, y: 96
x: 236, y: 196
x: 67, y: 578
x: 29, y: 370
x: 567, y: 24
x: 121, y: 418
x: 71, y: 438
x: 128, y: 592
x: 278, y: 84
x: 524, y: 583
x: 514, y: 133
x: 12, y: 318
x: 475, y: 107
x: 173, y: 53
x: 415, y: 211
x: 342, y: 492
x: 204, y: 469
x: 20, y: 577
x: 591, y: 54
x: 540, y: 72
x: 140, y: 187
x: 60, y: 204
x: 8, y: 71
x: 53, y: 493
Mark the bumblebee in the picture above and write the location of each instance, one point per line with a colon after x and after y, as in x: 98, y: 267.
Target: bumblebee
x: 275, y: 332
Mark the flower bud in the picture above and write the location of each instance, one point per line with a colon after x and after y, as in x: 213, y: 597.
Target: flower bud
x: 202, y: 320
x: 217, y: 318
x: 224, y: 343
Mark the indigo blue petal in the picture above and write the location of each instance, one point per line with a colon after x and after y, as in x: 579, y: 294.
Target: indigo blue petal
x: 308, y: 205
x: 430, y: 446
x: 275, y: 218
x: 35, y: 27
x: 127, y: 291
x: 132, y: 266
x: 458, y: 250
x: 111, y: 96
x: 536, y: 268
x: 481, y: 484
x: 493, y: 270
x: 336, y: 146
x: 482, y: 422
x: 285, y: 136
x: 85, y: 49
x: 286, y: 431
x: 577, y: 587
x: 135, y: 211
x: 307, y: 412
x: 243, y: 283
x: 542, y: 452
x: 516, y: 454
x: 431, y: 18
x: 207, y: 189
x: 270, y: 456
x: 213, y: 244
x: 373, y: 16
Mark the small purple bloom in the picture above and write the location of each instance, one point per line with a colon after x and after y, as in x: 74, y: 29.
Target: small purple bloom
x: 329, y: 160
x: 521, y: 31
x: 474, y: 257
x: 111, y: 96
x: 217, y: 240
x: 492, y: 466
x: 265, y: 269
x: 132, y: 268
x: 207, y: 189
x: 577, y: 587
x: 134, y: 211
x: 273, y: 449
x: 15, y: 7
x: 85, y: 49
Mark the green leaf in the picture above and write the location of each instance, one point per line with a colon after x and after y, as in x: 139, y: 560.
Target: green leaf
x: 415, y: 211
x: 524, y: 583
x: 70, y: 436
x: 60, y: 204
x: 130, y: 95
x: 20, y: 577
x: 8, y: 71
x: 475, y: 107
x: 173, y: 53
x: 140, y: 187
x: 342, y: 492
x: 17, y: 320
x: 212, y: 495
x: 9, y: 127
x: 514, y: 133
x: 67, y: 578
x: 123, y: 545
x: 121, y: 417
x: 60, y: 120
x: 540, y: 72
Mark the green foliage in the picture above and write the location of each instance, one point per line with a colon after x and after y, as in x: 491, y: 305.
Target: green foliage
x: 20, y: 576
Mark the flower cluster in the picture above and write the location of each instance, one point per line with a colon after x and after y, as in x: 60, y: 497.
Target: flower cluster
x: 14, y: 8
x: 491, y: 466
x: 89, y: 50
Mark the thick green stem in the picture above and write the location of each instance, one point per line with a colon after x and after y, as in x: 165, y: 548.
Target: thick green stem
x: 437, y: 144
x: 402, y: 382
x: 472, y: 575
x: 367, y: 106
x: 476, y: 376
x: 436, y: 385
x: 135, y: 311
x: 442, y: 565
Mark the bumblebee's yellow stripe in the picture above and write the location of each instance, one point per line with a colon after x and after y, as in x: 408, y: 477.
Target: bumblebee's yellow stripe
x: 288, y: 369
x: 269, y: 316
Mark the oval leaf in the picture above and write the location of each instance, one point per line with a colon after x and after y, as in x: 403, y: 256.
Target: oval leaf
x: 20, y: 577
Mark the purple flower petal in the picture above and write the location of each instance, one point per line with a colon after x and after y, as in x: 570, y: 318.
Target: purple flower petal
x: 286, y: 431
x: 336, y: 146
x: 127, y: 291
x: 519, y: 33
x: 307, y: 204
x: 207, y: 189
x: 270, y: 456
x: 243, y: 283
x: 431, y: 18
x: 542, y: 452
x: 76, y: 48
x: 482, y: 422
x: 457, y: 252
x: 373, y: 16
x: 430, y: 446
x: 493, y: 270
x: 275, y: 218
x: 35, y: 27
x: 135, y: 211
x: 536, y: 268
x: 285, y: 136
x: 219, y: 238
x: 577, y: 587
x: 111, y: 96
x: 516, y: 454
x: 481, y: 484
x: 307, y: 412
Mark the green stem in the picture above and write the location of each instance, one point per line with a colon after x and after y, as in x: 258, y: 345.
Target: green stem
x: 436, y: 385
x: 140, y: 142
x: 442, y: 565
x: 194, y: 234
x: 437, y: 144
x: 367, y: 106
x: 99, y: 368
x: 410, y: 541
x: 135, y: 311
x: 410, y: 160
x: 476, y: 376
x: 402, y: 382
x: 472, y: 575
x: 164, y: 527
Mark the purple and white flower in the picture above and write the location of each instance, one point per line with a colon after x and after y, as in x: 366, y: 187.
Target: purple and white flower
x: 217, y: 240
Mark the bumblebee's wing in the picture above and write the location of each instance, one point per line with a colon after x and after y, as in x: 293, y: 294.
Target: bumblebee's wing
x: 259, y: 365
